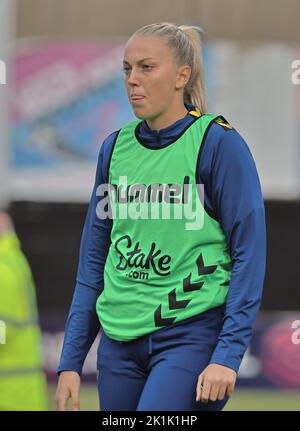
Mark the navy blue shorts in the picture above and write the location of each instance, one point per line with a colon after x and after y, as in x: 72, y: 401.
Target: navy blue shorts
x: 159, y: 371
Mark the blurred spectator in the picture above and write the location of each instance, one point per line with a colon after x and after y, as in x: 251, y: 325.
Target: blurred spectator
x: 22, y: 380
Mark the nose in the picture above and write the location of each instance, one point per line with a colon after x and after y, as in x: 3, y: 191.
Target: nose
x: 133, y: 78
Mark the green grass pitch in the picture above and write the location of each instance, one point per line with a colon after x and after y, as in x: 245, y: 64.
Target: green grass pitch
x: 242, y: 399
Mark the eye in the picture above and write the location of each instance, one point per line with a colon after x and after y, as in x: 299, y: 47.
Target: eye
x: 125, y: 69
x: 147, y: 66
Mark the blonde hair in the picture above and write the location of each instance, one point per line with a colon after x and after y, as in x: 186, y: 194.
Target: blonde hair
x: 186, y: 43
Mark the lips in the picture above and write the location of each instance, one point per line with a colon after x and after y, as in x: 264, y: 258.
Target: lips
x: 136, y: 97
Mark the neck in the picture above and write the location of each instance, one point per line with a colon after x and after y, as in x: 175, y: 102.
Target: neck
x: 167, y: 118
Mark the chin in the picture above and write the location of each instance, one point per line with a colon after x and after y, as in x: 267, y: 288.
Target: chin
x: 144, y: 114
x: 140, y: 113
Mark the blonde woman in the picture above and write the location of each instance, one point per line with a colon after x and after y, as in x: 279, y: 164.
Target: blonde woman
x: 176, y: 296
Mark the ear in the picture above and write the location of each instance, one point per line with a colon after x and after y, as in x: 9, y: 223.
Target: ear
x: 182, y: 76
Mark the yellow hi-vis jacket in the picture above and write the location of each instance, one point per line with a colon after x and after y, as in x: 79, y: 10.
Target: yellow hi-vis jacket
x: 22, y: 379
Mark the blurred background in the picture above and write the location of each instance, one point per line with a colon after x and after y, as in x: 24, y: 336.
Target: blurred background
x: 61, y: 94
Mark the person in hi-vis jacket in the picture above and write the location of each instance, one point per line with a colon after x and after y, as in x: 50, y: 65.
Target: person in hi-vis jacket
x: 23, y: 384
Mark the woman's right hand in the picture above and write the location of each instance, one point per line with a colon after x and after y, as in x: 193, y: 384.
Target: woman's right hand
x: 67, y: 387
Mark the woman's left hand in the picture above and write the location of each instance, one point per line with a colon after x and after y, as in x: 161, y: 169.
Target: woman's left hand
x: 215, y: 382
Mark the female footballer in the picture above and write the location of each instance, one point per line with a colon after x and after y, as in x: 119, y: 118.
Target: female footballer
x: 176, y: 282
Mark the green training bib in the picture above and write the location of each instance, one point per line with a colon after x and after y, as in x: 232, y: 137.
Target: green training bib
x: 168, y: 259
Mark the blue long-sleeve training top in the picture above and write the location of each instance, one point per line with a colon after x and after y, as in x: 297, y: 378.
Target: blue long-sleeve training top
x: 232, y: 196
